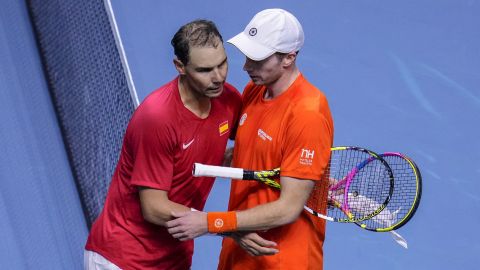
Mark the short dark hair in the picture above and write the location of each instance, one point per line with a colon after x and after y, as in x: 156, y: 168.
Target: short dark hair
x: 199, y: 33
x: 280, y: 55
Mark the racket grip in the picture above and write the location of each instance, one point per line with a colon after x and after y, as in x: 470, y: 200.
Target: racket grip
x: 216, y: 171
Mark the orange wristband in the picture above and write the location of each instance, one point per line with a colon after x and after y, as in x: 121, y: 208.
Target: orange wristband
x: 219, y: 222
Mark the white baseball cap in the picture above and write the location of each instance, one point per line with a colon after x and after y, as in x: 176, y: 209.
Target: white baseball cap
x: 270, y: 31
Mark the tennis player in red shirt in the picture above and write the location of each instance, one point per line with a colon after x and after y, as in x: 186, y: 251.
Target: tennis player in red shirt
x: 187, y: 120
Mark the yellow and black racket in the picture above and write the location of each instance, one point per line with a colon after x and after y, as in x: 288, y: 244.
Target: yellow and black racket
x: 405, y: 198
x: 352, y: 173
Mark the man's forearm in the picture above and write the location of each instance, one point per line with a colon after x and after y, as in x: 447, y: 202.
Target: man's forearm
x: 267, y: 216
x: 161, y: 214
x: 157, y: 208
x: 284, y: 210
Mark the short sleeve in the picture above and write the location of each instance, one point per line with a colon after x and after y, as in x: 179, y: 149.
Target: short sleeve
x: 306, y: 147
x: 152, y: 143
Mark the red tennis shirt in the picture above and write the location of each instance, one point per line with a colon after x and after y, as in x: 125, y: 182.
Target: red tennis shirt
x: 162, y: 141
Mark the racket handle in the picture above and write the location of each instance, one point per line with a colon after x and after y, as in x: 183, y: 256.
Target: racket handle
x: 216, y: 171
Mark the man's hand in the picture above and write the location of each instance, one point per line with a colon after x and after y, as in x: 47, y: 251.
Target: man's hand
x: 187, y: 225
x: 254, y: 244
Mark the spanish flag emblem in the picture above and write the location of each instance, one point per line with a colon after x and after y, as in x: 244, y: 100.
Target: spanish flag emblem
x: 223, y: 128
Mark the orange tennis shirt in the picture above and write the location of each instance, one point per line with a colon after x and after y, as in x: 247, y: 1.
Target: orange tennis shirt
x: 293, y: 131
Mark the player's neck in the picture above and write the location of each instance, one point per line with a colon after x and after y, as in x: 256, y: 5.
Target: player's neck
x: 197, y: 104
x: 281, y: 85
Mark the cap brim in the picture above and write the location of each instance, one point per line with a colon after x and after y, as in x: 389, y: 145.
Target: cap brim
x: 250, y: 48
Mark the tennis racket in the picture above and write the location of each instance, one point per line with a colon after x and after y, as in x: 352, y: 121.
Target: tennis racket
x: 352, y: 172
x: 405, y: 198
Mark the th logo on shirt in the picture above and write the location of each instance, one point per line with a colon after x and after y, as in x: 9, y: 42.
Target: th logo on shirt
x: 306, y: 158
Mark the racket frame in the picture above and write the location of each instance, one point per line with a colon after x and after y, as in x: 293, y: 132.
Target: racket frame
x: 416, y: 202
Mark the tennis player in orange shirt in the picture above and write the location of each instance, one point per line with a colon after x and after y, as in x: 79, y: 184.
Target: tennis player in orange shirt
x: 286, y: 123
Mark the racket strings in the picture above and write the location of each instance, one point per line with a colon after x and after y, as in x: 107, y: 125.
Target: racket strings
x: 318, y: 197
x: 405, y: 195
x: 353, y: 186
x: 369, y: 189
x: 328, y: 193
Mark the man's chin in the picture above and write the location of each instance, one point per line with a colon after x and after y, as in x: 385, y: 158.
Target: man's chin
x: 257, y: 80
x: 214, y: 93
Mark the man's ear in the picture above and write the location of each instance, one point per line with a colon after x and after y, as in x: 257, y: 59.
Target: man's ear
x: 179, y: 66
x: 289, y: 59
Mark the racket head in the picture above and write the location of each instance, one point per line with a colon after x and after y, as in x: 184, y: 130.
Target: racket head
x: 353, y: 172
x: 406, y: 195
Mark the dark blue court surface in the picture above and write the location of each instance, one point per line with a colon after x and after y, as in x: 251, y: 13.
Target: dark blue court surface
x: 399, y: 75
